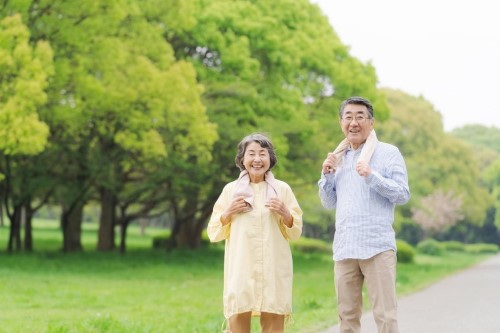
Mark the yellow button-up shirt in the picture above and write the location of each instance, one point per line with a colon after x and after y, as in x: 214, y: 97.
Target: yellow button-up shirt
x: 258, y: 267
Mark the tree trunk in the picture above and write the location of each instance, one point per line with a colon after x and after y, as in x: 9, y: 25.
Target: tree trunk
x: 185, y: 235
x: 186, y: 232
x: 27, y: 218
x: 123, y: 236
x: 1, y: 216
x: 106, y: 238
x: 71, y: 224
x: 15, y: 230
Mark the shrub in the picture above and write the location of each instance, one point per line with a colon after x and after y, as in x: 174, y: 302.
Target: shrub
x: 409, y: 231
x: 160, y: 242
x: 453, y: 246
x: 310, y: 245
x: 481, y: 248
x: 405, y: 253
x: 430, y: 246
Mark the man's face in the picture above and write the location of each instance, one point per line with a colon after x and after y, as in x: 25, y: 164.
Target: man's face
x: 356, y: 124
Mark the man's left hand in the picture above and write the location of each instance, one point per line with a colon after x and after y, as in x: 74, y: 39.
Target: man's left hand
x: 363, y: 169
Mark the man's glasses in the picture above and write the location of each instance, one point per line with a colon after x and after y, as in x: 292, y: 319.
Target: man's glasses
x: 360, y: 118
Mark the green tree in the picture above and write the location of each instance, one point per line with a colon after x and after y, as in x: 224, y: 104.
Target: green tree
x: 126, y: 105
x: 492, y: 179
x: 479, y: 135
x: 25, y: 69
x: 275, y: 67
x: 121, y: 106
x: 435, y: 160
x: 484, y: 142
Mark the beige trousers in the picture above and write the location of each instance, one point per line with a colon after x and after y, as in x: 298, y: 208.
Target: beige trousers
x: 269, y: 322
x: 379, y: 273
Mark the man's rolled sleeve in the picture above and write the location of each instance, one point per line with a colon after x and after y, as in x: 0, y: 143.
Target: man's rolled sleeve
x: 327, y: 190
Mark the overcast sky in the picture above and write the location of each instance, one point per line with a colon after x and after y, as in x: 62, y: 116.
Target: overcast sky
x: 447, y: 51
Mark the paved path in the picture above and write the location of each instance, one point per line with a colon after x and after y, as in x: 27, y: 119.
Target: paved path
x: 467, y: 302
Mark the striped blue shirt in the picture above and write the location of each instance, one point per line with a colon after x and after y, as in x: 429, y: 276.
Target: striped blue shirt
x: 365, y: 205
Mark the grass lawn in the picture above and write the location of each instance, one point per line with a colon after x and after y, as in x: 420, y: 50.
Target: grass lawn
x: 150, y: 290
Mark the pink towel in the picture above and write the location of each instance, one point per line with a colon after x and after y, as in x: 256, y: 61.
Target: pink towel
x: 366, y: 151
x: 243, y: 187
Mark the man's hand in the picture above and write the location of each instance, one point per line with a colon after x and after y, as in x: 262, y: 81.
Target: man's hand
x: 363, y: 169
x: 329, y: 164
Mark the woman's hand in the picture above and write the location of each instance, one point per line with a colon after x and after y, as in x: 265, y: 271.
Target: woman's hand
x: 277, y: 206
x: 237, y: 206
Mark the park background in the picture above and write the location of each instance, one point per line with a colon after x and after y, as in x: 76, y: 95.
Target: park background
x: 119, y: 122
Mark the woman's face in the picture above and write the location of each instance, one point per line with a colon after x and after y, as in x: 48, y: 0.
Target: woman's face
x: 256, y: 161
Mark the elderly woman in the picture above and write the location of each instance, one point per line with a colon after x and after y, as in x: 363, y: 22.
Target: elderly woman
x: 256, y: 215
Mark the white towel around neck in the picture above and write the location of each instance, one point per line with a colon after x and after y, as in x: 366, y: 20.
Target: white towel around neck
x: 366, y: 151
x: 243, y: 187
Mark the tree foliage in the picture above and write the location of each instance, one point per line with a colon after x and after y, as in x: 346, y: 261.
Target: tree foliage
x: 137, y: 106
x: 121, y: 106
x: 24, y: 74
x: 25, y: 71
x: 435, y: 159
x: 479, y: 135
x: 492, y: 179
x: 275, y: 67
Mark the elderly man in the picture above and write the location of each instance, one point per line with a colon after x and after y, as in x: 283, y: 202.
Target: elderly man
x: 363, y: 180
